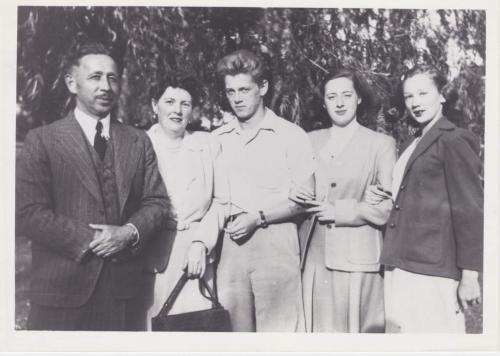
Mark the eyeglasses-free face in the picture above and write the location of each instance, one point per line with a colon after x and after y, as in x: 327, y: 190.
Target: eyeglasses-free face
x: 174, y: 110
x: 422, y: 98
x: 341, y: 101
x: 244, y: 95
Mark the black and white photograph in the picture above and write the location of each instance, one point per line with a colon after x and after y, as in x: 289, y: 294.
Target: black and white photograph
x: 318, y: 174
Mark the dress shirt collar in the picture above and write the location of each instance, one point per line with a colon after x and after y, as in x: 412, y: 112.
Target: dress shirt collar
x: 88, y: 124
x: 267, y: 123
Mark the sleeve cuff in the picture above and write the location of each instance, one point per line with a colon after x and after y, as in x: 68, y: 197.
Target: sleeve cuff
x: 136, y: 234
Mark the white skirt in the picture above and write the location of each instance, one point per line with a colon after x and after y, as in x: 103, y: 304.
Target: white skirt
x: 417, y: 303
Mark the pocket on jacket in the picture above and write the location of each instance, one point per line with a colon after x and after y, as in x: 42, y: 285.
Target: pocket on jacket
x: 424, y: 243
x: 365, y: 245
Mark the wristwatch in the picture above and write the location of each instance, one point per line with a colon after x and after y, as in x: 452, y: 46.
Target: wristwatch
x: 262, y: 222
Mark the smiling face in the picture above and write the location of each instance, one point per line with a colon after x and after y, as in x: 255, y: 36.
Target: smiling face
x: 341, y: 101
x: 174, y: 109
x: 422, y: 98
x: 245, y: 96
x: 95, y: 83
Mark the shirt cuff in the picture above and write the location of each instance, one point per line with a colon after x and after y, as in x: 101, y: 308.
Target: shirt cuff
x: 136, y: 234
x: 203, y: 243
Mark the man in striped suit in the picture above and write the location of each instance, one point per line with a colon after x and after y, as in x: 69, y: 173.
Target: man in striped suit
x: 88, y: 196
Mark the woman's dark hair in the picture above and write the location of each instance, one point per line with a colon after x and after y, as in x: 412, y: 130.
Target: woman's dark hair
x: 368, y: 100
x: 182, y: 80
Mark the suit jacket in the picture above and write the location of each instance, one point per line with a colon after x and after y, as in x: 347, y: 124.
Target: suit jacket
x: 354, y: 242
x: 58, y: 195
x: 436, y: 226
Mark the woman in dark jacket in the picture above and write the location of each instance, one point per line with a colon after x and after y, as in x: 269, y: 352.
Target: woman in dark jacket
x: 433, y: 245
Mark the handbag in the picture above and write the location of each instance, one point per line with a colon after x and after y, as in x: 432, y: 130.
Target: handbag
x: 211, y: 320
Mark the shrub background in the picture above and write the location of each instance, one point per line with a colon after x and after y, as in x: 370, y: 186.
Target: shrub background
x: 299, y: 44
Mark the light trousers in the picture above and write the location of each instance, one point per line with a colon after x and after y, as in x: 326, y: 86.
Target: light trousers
x: 259, y: 280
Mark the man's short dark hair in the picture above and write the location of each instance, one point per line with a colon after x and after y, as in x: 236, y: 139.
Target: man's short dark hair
x: 78, y: 51
x: 243, y: 62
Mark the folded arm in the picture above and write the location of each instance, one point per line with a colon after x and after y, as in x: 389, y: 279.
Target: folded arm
x: 351, y: 212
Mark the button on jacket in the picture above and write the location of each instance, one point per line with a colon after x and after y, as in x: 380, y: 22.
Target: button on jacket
x: 59, y: 193
x: 436, y: 227
x: 354, y: 242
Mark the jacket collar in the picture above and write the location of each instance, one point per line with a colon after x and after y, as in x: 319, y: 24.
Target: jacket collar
x: 441, y: 125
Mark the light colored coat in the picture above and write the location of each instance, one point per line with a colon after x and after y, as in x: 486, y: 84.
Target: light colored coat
x: 354, y: 242
x: 200, y: 182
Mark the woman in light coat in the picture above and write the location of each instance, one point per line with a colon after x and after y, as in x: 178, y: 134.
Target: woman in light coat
x: 186, y: 161
x: 342, y: 239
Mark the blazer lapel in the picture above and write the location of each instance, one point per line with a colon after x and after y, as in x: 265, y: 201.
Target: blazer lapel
x: 75, y: 150
x: 427, y: 140
x: 125, y: 160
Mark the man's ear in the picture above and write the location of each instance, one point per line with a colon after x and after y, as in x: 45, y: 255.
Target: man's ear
x: 70, y: 81
x: 263, y: 87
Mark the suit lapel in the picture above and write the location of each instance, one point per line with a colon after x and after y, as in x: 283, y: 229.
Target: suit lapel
x: 76, y: 153
x: 126, y: 155
x: 427, y: 140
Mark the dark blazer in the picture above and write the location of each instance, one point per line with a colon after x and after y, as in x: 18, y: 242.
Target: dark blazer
x: 436, y: 225
x: 58, y: 195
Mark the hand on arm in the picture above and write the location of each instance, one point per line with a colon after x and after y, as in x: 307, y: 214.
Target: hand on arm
x: 110, y: 239
x: 324, y: 210
x: 375, y: 194
x: 299, y: 193
x: 243, y: 225
x: 246, y: 223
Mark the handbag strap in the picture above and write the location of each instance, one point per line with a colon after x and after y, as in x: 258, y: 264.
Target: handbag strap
x: 212, y: 296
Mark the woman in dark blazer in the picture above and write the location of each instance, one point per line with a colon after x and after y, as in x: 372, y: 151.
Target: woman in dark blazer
x: 433, y: 244
x: 343, y: 289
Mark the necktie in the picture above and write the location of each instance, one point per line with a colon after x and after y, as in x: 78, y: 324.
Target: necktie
x: 99, y: 141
